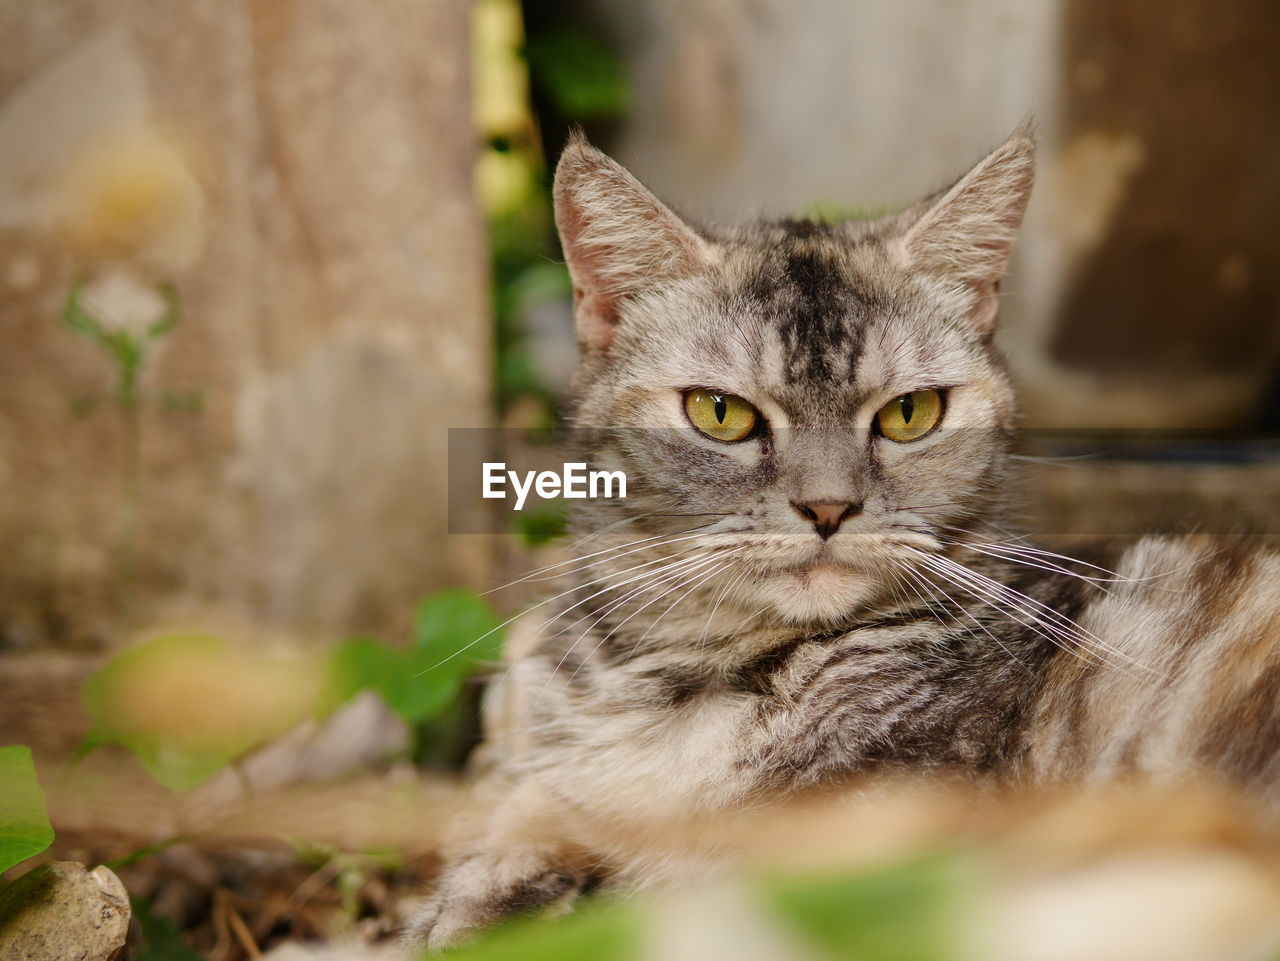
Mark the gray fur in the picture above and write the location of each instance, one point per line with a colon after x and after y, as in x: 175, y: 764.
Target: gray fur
x: 711, y: 651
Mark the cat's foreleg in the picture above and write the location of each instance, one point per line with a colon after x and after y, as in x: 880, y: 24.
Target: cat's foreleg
x: 520, y: 863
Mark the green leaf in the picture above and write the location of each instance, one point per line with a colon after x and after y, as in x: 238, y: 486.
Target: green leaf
x: 24, y: 823
x: 583, y: 77
x: 189, y: 704
x: 355, y: 665
x: 595, y: 932
x: 902, y: 913
x: 454, y: 633
x: 538, y: 525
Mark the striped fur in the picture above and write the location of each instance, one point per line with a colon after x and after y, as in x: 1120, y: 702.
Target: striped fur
x: 710, y: 652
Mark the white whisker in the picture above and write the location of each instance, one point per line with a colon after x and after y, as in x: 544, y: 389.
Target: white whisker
x: 612, y: 551
x: 1056, y: 621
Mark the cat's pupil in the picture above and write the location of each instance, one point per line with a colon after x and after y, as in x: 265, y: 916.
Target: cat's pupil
x: 722, y: 408
x: 908, y: 408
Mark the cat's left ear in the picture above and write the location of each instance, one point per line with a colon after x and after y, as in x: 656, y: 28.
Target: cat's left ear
x: 965, y: 234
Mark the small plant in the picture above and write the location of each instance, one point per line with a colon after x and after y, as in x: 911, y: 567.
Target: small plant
x: 188, y: 705
x: 126, y: 319
x: 455, y: 634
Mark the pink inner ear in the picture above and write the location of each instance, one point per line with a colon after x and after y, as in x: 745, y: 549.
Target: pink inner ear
x: 983, y: 315
x: 618, y: 240
x: 595, y: 312
x: 597, y: 316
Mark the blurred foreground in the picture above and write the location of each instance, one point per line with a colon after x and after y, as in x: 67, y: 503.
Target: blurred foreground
x: 879, y: 871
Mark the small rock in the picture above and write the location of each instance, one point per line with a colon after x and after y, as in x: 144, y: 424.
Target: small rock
x: 357, y: 735
x: 62, y: 911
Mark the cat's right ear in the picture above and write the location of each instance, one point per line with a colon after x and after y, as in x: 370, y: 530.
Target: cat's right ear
x: 618, y: 239
x: 965, y: 233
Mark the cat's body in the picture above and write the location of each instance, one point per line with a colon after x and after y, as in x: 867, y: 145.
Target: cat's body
x: 812, y: 598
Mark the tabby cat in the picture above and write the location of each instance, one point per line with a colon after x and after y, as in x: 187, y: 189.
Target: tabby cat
x: 811, y: 576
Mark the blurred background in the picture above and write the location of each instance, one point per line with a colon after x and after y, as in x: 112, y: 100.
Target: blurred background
x: 258, y: 256
x: 350, y: 207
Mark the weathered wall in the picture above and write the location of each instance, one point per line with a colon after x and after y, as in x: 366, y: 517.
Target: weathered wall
x: 1143, y: 292
x: 1182, y: 291
x: 313, y: 206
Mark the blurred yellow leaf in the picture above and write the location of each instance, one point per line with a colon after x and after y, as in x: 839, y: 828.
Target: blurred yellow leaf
x: 187, y: 705
x: 504, y: 182
x: 499, y: 75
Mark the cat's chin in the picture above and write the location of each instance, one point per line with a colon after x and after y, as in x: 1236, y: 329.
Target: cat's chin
x: 818, y: 594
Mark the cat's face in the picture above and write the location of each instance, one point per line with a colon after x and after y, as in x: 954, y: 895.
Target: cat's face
x: 823, y: 401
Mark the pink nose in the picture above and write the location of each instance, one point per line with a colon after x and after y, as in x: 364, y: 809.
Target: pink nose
x: 827, y: 516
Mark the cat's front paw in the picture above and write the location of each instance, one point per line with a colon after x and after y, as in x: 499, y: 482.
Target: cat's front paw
x: 461, y: 909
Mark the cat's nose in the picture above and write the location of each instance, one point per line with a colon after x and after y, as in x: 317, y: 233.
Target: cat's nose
x: 827, y: 516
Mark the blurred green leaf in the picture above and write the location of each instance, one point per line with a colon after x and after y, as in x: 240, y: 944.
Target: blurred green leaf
x: 538, y: 525
x: 518, y: 375
x: 24, y: 823
x: 188, y: 704
x: 172, y: 314
x: 902, y: 913
x: 355, y: 665
x: 454, y: 633
x: 540, y: 282
x: 129, y: 354
x: 583, y: 78
x: 78, y: 319
x: 160, y: 938
x: 594, y: 932
x: 519, y: 290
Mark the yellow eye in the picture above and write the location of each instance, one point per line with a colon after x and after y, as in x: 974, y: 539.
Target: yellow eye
x: 722, y: 416
x: 910, y: 416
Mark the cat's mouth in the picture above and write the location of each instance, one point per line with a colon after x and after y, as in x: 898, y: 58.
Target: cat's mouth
x: 819, y: 590
x: 828, y: 583
x: 818, y: 567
